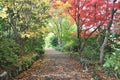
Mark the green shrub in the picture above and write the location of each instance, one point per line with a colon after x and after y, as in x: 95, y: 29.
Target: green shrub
x: 91, y: 51
x: 112, y: 57
x: 113, y: 61
x: 70, y: 46
x: 39, y: 50
x: 9, y: 51
x: 34, y: 45
x: 26, y: 61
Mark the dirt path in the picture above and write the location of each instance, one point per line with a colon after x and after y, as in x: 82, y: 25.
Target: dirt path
x: 55, y: 66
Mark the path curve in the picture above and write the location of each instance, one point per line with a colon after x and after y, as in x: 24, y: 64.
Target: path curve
x: 55, y: 66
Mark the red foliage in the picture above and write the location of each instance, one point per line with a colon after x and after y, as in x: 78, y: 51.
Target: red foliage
x: 92, y: 12
x: 117, y: 5
x: 85, y: 33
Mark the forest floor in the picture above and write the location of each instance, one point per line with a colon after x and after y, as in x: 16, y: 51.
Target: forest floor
x: 55, y: 65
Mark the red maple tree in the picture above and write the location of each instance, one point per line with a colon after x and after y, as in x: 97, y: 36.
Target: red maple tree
x: 93, y: 16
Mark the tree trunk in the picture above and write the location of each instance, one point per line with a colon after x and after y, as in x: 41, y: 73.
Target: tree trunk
x: 103, y: 47
x: 82, y: 48
x: 13, y: 24
x: 78, y: 33
x: 106, y: 35
x: 16, y: 35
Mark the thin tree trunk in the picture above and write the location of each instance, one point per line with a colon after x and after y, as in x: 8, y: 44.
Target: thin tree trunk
x: 16, y: 35
x: 82, y: 47
x: 78, y: 33
x: 98, y: 39
x: 103, y: 47
x: 12, y: 22
x: 106, y: 36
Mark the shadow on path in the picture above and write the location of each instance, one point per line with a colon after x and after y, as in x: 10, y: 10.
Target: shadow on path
x: 55, y: 66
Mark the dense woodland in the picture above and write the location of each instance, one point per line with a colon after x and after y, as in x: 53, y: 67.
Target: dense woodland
x: 88, y: 29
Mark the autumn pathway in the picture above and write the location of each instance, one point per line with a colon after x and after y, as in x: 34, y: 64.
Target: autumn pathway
x: 55, y: 66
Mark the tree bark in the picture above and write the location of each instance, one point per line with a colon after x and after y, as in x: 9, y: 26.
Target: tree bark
x: 78, y: 33
x: 106, y: 36
x: 103, y: 46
